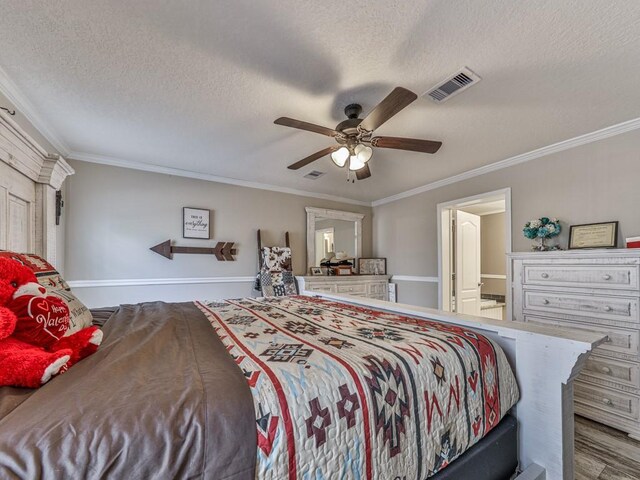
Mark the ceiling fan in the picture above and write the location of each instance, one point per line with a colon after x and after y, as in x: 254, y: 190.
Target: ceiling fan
x: 354, y: 136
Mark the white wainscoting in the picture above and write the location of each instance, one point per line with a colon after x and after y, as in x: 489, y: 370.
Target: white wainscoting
x: 413, y: 278
x: 417, y: 290
x: 105, y: 293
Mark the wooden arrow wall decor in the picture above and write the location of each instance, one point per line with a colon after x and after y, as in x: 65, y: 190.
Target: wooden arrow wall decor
x: 223, y: 251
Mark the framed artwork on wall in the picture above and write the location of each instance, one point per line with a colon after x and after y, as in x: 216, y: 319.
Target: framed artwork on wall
x: 593, y: 235
x: 195, y: 223
x: 372, y: 266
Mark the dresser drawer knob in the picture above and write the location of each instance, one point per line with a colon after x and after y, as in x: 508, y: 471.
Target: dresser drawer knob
x: 607, y: 401
x: 606, y: 370
x: 606, y: 276
x: 545, y: 275
x: 545, y: 301
x: 607, y: 308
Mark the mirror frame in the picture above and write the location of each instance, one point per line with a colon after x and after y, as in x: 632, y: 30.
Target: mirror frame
x: 313, y: 213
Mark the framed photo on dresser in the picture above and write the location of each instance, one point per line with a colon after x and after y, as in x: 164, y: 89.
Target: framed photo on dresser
x: 372, y: 266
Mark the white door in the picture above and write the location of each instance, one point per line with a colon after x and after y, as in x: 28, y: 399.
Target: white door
x: 467, y: 263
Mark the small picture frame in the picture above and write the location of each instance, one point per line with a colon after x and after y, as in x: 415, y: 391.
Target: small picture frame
x: 594, y: 235
x: 316, y: 271
x: 195, y: 223
x: 372, y: 266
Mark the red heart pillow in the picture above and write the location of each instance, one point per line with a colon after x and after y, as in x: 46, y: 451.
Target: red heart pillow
x: 42, y: 321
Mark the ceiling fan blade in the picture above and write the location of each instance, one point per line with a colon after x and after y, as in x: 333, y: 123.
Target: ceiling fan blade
x: 412, y: 144
x: 310, y: 127
x: 387, y: 108
x: 313, y: 157
x: 364, y: 172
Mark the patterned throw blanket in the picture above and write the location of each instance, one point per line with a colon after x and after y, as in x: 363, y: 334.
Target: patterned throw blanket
x: 347, y: 392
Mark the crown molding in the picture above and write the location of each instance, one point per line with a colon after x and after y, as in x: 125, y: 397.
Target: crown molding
x: 26, y: 108
x: 601, y: 134
x: 584, y: 139
x: 147, y: 167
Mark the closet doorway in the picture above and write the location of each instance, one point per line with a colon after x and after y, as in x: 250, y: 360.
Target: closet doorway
x: 474, y: 238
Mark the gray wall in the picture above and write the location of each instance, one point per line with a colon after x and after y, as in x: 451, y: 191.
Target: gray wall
x: 492, y: 256
x: 114, y: 215
x: 597, y: 182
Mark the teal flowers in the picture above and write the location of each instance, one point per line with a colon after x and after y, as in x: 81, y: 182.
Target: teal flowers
x: 542, y: 228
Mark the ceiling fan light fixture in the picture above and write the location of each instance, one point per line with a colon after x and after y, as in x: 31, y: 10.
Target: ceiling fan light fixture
x: 355, y: 163
x: 340, y: 156
x: 363, y: 152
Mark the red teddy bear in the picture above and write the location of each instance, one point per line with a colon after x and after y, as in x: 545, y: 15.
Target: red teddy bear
x: 33, y: 347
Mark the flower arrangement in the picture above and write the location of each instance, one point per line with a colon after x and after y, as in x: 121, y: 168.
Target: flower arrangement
x: 542, y: 228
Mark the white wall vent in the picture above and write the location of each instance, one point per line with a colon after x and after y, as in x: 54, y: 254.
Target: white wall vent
x: 453, y: 85
x: 314, y: 174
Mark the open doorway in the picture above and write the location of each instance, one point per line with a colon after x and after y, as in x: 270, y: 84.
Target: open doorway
x: 324, y: 243
x: 474, y: 238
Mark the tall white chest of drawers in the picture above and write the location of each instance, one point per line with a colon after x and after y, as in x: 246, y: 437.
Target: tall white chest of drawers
x: 593, y: 290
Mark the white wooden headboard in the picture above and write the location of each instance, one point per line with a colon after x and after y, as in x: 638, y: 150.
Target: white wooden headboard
x: 29, y: 178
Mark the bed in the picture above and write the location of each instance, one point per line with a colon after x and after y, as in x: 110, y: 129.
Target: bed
x: 292, y: 387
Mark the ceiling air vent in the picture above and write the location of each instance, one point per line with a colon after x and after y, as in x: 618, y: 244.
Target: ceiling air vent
x: 453, y: 85
x: 314, y: 174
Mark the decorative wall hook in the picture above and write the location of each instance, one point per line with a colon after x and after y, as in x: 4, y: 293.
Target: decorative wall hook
x: 10, y: 112
x: 59, y: 205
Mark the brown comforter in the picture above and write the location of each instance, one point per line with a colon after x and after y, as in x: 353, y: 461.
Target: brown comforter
x: 144, y: 406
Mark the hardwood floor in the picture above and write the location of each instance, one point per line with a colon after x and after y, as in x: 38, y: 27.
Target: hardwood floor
x: 603, y: 453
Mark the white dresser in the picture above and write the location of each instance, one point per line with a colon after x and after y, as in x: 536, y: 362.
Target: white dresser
x: 370, y: 286
x: 595, y: 290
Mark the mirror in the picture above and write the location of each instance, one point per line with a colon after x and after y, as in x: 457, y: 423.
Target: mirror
x: 332, y: 231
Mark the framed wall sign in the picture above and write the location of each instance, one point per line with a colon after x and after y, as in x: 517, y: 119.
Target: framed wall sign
x: 372, y: 266
x: 594, y: 235
x: 195, y: 223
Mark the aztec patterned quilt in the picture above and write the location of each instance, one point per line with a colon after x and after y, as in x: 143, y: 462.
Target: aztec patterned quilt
x: 342, y: 391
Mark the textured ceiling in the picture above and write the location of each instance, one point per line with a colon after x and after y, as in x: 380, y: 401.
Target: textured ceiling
x: 196, y: 85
